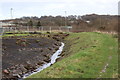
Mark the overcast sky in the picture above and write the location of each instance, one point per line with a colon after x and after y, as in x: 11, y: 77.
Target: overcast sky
x: 56, y: 7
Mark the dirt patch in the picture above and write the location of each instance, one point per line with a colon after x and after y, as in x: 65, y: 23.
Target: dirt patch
x: 21, y: 55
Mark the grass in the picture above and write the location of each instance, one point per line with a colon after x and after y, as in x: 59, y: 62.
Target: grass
x: 87, y: 55
x: 7, y: 35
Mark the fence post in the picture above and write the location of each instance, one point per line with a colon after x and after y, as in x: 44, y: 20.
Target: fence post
x: 60, y: 29
x: 50, y: 29
x: 39, y: 29
x: 15, y: 29
x: 28, y: 28
x: 42, y: 29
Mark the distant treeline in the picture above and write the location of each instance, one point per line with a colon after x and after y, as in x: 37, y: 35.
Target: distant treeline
x: 79, y: 23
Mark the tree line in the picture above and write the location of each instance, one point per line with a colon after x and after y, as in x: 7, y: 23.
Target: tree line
x: 85, y: 22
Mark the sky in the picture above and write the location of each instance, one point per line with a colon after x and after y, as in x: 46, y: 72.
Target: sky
x: 56, y: 7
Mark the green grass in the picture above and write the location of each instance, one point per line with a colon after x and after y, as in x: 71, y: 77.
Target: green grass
x: 6, y: 35
x: 87, y: 55
x: 22, y: 34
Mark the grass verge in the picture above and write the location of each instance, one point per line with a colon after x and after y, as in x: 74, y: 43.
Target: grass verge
x: 87, y: 56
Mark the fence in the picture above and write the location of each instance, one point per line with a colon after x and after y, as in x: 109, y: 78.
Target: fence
x: 41, y: 28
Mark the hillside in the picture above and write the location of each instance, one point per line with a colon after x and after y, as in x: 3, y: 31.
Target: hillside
x: 89, y: 22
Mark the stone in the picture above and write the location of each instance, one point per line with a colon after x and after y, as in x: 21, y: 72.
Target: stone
x: 47, y: 60
x: 16, y: 75
x: 40, y: 63
x: 49, y: 48
x: 6, y: 71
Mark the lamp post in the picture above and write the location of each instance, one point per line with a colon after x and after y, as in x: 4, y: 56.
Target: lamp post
x: 11, y: 13
x: 65, y: 18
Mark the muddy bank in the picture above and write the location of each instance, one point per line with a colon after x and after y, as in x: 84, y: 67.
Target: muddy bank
x: 53, y: 59
x: 21, y: 55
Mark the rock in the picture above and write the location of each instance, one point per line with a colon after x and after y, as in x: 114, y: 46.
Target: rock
x: 23, y: 68
x: 49, y: 48
x: 30, y: 67
x: 56, y: 44
x: 17, y: 71
x: 27, y: 67
x: 47, y: 60
x: 6, y: 71
x: 19, y: 50
x: 12, y: 67
x: 56, y: 49
x: 62, y: 55
x: 41, y: 50
x: 16, y: 75
x: 28, y: 62
x: 55, y: 38
x: 45, y: 55
x: 40, y: 63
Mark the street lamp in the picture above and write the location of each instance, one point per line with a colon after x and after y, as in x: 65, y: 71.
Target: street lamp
x: 11, y: 13
x: 65, y: 18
